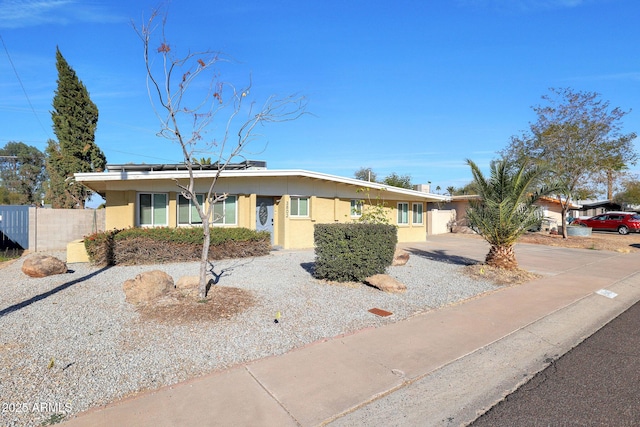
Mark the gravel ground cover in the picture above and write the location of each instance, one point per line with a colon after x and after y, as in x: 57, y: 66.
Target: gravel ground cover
x: 71, y: 342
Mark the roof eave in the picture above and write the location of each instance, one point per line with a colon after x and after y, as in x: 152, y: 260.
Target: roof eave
x: 93, y: 179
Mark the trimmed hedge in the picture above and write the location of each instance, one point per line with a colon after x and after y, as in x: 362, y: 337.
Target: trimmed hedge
x: 133, y: 246
x: 354, y: 251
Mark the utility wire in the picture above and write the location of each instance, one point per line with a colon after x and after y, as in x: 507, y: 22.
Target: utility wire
x: 23, y: 89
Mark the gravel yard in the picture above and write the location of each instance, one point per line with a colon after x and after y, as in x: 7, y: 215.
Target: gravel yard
x: 71, y: 342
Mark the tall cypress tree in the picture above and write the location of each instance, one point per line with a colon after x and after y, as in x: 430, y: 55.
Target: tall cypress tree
x: 75, y: 119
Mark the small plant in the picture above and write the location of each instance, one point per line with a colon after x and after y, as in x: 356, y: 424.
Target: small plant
x: 9, y: 254
x: 53, y: 419
x: 373, y: 212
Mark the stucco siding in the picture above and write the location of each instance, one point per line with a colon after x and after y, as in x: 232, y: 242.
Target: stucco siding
x: 120, y: 209
x: 246, y: 211
x: 329, y: 202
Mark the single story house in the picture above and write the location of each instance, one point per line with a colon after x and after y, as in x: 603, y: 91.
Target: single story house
x: 552, y: 210
x: 549, y: 207
x: 287, y: 203
x: 589, y: 208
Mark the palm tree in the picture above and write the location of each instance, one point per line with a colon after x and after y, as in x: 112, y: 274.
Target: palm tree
x: 505, y: 208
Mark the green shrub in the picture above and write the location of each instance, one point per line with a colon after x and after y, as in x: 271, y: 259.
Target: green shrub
x: 159, y: 245
x: 99, y: 247
x: 353, y: 252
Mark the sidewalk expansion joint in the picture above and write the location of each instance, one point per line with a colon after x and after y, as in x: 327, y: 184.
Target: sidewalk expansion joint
x: 581, y: 267
x: 273, y: 396
x: 370, y: 400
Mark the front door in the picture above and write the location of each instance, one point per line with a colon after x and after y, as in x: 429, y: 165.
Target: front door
x: 264, y: 215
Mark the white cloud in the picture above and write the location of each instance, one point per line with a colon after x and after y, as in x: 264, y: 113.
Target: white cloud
x: 30, y: 13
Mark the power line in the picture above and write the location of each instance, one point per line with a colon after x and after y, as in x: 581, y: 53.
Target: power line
x: 23, y: 89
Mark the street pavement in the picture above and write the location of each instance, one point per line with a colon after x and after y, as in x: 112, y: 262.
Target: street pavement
x: 442, y: 368
x: 594, y: 384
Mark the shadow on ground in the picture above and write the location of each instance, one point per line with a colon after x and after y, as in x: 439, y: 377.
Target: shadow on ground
x: 47, y: 294
x: 442, y: 256
x: 309, y: 267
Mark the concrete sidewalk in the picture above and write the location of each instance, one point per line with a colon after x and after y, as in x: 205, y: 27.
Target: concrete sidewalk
x: 440, y: 368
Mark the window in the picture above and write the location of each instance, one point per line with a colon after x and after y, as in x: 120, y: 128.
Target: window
x: 225, y: 211
x: 356, y: 208
x: 152, y: 209
x: 403, y: 213
x: 417, y: 213
x: 299, y: 206
x: 187, y: 212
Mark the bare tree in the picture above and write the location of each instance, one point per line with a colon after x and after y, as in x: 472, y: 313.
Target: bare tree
x: 188, y: 120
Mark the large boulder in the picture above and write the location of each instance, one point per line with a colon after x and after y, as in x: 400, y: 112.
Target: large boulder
x: 43, y: 265
x: 386, y: 283
x: 147, y: 286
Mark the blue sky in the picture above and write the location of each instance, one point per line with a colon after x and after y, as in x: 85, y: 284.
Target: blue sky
x: 413, y: 87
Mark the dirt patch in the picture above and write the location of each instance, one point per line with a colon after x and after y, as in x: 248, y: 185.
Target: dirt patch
x: 603, y: 241
x: 499, y: 276
x: 179, y: 307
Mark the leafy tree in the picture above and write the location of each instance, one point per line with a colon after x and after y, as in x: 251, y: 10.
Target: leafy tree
x: 451, y: 190
x: 366, y: 174
x: 505, y: 209
x: 630, y: 196
x: 606, y: 181
x: 22, y: 170
x: 575, y: 136
x: 464, y: 190
x: 396, y: 180
x: 584, y: 193
x: 75, y: 118
x: 393, y: 179
x: 8, y: 198
x: 169, y: 79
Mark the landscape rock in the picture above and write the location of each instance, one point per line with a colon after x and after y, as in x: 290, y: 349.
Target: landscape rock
x: 188, y: 282
x: 188, y: 285
x: 147, y: 286
x: 43, y: 266
x: 386, y: 283
x: 400, y: 257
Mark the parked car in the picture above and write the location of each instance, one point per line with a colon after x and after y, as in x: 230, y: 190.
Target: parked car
x: 622, y: 222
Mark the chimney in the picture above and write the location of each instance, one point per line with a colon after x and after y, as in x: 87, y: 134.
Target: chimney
x: 425, y: 188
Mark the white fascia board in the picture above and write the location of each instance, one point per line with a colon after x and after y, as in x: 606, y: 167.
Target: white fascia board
x: 94, y: 177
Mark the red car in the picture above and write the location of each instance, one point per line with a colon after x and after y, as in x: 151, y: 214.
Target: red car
x: 622, y: 222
